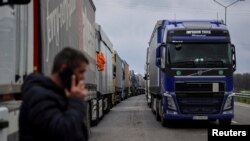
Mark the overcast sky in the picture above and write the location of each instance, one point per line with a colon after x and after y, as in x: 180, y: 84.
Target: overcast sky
x: 129, y: 24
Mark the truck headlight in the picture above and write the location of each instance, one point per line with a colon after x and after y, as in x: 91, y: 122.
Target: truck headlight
x: 229, y: 102
x: 170, y: 101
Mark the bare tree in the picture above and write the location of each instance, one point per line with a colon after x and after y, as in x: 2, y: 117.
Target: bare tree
x: 241, y: 82
x: 237, y: 82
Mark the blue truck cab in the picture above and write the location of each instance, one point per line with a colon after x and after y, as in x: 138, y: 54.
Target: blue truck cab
x: 190, y: 68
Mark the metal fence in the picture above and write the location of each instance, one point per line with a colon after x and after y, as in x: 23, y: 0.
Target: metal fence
x: 242, y: 97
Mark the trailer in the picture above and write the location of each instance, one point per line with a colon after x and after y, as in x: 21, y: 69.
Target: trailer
x: 140, y: 84
x: 104, y: 75
x: 114, y: 78
x: 147, y: 78
x: 191, y: 65
x: 126, y: 80
x: 123, y: 95
x: 32, y: 35
x: 118, y: 76
x: 133, y: 82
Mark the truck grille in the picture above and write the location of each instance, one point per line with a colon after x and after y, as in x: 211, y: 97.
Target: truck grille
x: 199, y: 98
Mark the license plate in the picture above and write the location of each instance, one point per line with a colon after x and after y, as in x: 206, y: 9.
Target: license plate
x: 200, y: 117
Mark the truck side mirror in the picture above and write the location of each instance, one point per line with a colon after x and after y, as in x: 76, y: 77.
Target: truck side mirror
x: 233, y: 57
x: 160, y: 56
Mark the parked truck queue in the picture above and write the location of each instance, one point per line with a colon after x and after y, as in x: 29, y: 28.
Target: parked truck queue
x: 32, y: 34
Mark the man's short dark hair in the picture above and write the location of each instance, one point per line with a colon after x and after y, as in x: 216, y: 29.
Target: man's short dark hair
x: 69, y: 56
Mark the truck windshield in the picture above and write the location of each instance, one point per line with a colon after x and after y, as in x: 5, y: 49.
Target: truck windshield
x: 208, y: 55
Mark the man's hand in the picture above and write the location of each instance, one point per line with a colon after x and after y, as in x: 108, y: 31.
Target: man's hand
x: 77, y: 90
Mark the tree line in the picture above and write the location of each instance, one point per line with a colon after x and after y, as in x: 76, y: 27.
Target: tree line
x: 241, y: 82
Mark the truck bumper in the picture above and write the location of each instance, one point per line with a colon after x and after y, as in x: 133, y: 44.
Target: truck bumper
x: 198, y: 117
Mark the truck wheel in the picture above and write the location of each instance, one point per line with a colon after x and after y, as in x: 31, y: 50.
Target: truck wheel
x: 109, y: 104
x: 158, y: 117
x: 225, y: 122
x: 165, y: 122
x: 153, y: 105
x: 101, y: 108
x: 158, y: 106
x: 95, y: 122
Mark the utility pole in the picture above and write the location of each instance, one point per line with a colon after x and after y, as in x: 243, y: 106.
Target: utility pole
x: 226, y: 6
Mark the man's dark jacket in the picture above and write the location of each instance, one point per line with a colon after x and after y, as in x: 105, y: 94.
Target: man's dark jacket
x: 47, y: 114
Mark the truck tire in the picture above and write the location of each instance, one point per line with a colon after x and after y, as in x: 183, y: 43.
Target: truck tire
x: 95, y: 122
x: 225, y: 122
x: 157, y: 113
x: 101, y: 109
x: 158, y: 117
x: 153, y: 105
x: 109, y: 104
x: 165, y: 122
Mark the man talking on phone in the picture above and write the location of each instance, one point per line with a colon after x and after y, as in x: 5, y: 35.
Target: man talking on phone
x: 53, y: 108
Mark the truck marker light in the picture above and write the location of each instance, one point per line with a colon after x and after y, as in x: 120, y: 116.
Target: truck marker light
x: 178, y: 72
x: 221, y: 72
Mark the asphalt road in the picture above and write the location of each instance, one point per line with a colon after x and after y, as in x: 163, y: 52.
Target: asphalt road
x: 132, y: 120
x: 242, y: 114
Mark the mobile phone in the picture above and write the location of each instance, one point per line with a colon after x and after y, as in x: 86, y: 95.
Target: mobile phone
x: 66, y: 75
